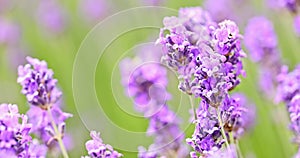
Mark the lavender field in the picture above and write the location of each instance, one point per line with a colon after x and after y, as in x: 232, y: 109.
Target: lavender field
x: 150, y: 78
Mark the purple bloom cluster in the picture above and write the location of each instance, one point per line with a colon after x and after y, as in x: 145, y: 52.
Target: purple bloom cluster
x: 180, y: 37
x: 205, y: 55
x: 40, y: 89
x: 146, y: 81
x: 43, y: 127
x: 261, y: 41
x: 164, y: 127
x: 96, y: 148
x: 288, y: 91
x: 207, y: 137
x: 15, y: 140
x: 38, y: 84
x: 236, y: 118
x: 237, y: 115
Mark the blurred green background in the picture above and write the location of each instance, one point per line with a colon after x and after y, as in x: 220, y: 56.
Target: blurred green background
x: 269, y: 138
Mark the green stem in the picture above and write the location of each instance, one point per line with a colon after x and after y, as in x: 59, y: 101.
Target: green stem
x: 193, y: 107
x: 58, y: 135
x: 222, y: 128
x: 238, y: 149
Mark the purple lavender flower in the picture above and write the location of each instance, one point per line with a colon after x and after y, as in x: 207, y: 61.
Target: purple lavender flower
x: 297, y: 24
x: 4, y: 5
x: 97, y: 149
x: 288, y: 91
x: 293, y: 7
x: 153, y: 2
x: 15, y: 140
x: 38, y: 83
x: 10, y: 33
x: 289, y: 4
x: 51, y: 16
x: 225, y: 153
x: 146, y: 82
x: 207, y: 137
x: 164, y: 127
x: 218, y: 65
x: 237, y: 115
x: 42, y: 121
x: 194, y: 36
x: 93, y: 10
x: 261, y: 41
x: 37, y: 150
x: 179, y: 43
x: 40, y: 89
x: 288, y: 84
x: 236, y: 10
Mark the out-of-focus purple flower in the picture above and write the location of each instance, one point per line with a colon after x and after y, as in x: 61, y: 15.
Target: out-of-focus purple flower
x: 37, y: 150
x: 153, y: 2
x: 289, y: 4
x: 51, y: 16
x: 164, y: 127
x: 4, y: 5
x: 93, y: 10
x: 225, y: 153
x: 38, y: 84
x: 15, y: 140
x: 16, y: 56
x: 146, y: 81
x: 297, y: 24
x: 293, y: 7
x: 261, y: 41
x: 288, y: 91
x: 236, y: 10
x: 288, y: 84
x: 96, y: 148
x: 10, y: 33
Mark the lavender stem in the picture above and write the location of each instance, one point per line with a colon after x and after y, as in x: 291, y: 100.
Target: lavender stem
x: 238, y: 149
x: 58, y: 135
x: 222, y: 128
x: 193, y: 107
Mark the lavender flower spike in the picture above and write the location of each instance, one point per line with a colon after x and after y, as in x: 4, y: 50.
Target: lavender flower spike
x: 146, y: 82
x: 40, y: 89
x: 261, y: 41
x: 38, y: 84
x: 96, y: 148
x: 180, y: 42
x: 288, y: 91
x: 15, y: 140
